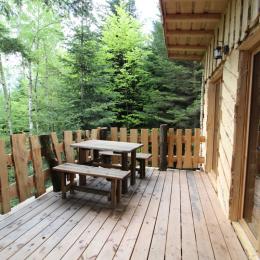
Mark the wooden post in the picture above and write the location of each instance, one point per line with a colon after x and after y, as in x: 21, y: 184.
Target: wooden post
x: 163, y: 147
x: 20, y: 157
x: 104, y: 136
x: 4, y: 184
x: 124, y: 168
x: 37, y: 165
x: 49, y: 155
x: 103, y: 133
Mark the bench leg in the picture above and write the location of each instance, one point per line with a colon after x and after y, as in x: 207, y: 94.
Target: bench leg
x: 113, y: 193
x: 142, y: 169
x: 63, y: 186
x: 118, y: 190
x: 82, y: 160
x: 71, y: 183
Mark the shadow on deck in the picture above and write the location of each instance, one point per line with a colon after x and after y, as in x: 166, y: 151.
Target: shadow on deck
x: 169, y: 215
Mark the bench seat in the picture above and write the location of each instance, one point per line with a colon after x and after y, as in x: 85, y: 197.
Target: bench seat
x: 141, y: 157
x: 114, y: 175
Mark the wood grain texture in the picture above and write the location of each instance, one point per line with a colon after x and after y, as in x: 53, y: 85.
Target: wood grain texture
x: 37, y: 166
x: 187, y: 164
x: 4, y: 184
x: 155, y: 147
x: 168, y: 215
x: 20, y: 157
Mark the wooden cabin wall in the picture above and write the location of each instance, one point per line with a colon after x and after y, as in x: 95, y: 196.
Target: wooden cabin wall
x: 233, y: 29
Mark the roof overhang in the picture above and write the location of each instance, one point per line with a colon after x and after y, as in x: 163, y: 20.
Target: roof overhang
x: 189, y: 26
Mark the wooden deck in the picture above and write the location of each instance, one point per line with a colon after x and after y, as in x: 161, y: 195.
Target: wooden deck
x: 169, y: 215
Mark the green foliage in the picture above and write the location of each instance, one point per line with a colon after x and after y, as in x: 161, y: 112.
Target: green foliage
x: 123, y: 50
x: 83, y: 73
x: 175, y: 87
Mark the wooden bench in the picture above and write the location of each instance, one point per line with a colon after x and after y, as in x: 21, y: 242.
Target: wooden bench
x: 114, y: 175
x: 140, y: 157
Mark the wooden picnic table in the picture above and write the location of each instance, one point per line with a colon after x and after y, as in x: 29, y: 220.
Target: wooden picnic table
x: 122, y: 148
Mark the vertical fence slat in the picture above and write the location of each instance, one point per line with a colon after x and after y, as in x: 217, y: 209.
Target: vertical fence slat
x: 87, y: 134
x: 154, y: 137
x: 56, y: 148
x: 123, y: 134
x: 78, y: 136
x: 4, y: 185
x: 187, y: 156
x: 170, y: 146
x: 163, y: 147
x: 94, y: 134
x: 179, y: 148
x: 114, y: 137
x: 68, y: 140
x: 37, y: 166
x: 144, y: 140
x: 196, y: 153
x: 20, y: 155
x: 133, y: 136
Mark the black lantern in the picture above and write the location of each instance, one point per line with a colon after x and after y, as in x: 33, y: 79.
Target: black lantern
x: 218, y: 53
x: 220, y: 50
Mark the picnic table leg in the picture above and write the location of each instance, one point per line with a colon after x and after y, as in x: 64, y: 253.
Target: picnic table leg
x: 95, y: 155
x: 82, y: 160
x: 113, y: 192
x: 63, y: 185
x: 124, y: 168
x: 133, y: 167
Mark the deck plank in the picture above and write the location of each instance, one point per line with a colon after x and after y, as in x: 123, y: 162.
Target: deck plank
x: 157, y: 249
x: 72, y: 211
x: 205, y: 250
x: 113, y: 241
x: 168, y: 215
x: 21, y: 225
x: 235, y: 249
x: 128, y: 242
x: 143, y: 242
x: 16, y: 214
x: 189, y: 246
x: 173, y: 242
x: 98, y: 242
x: 85, y: 239
x: 217, y: 240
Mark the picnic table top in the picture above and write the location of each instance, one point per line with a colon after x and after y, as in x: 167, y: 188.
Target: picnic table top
x: 101, y: 145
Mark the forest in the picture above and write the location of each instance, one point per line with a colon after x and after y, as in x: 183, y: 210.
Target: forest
x: 73, y: 64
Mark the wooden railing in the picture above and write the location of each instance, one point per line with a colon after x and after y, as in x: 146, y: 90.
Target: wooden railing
x: 25, y: 172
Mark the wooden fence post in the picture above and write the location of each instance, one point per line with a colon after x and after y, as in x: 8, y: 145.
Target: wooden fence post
x: 20, y: 155
x: 37, y: 165
x: 4, y: 184
x: 103, y: 133
x: 49, y: 155
x: 163, y: 147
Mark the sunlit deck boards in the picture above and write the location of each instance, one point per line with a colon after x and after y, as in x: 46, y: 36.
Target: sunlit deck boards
x: 169, y: 215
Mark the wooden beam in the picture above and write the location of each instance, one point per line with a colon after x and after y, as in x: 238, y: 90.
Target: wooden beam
x: 185, y: 57
x: 186, y: 47
x: 190, y: 32
x: 193, y: 17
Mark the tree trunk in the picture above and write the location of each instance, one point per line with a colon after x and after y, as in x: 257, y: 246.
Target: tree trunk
x: 7, y: 99
x: 30, y: 97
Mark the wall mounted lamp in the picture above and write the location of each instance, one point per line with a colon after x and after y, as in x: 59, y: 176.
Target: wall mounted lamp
x: 220, y: 50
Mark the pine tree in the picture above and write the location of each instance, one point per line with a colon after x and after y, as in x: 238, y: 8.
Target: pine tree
x: 175, y: 93
x: 123, y: 50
